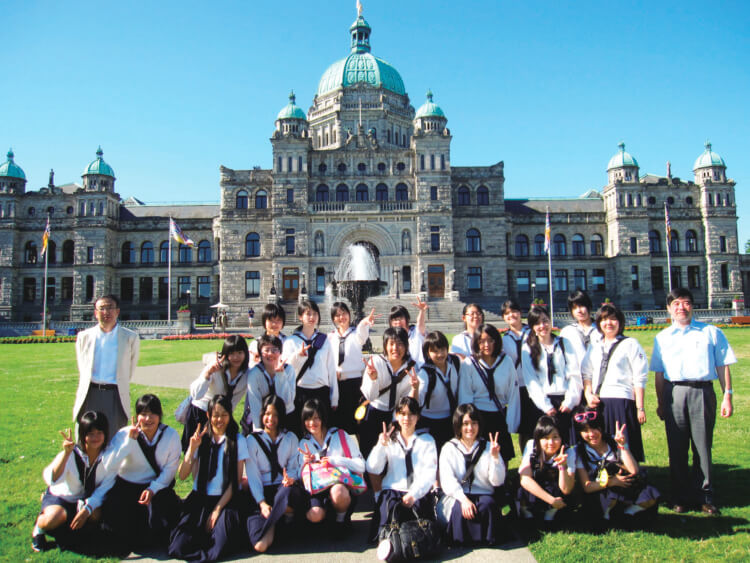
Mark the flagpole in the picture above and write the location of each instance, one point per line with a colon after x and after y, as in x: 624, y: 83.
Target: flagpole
x: 169, y: 276
x: 44, y: 289
x: 669, y: 243
x: 549, y: 274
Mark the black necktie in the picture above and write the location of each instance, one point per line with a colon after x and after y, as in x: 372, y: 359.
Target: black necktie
x: 551, y: 371
x: 213, y: 460
x: 409, y: 463
x: 274, y: 461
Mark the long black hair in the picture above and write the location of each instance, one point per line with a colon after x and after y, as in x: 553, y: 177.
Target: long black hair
x: 535, y: 316
x: 235, y: 343
x: 544, y: 427
x: 230, y: 446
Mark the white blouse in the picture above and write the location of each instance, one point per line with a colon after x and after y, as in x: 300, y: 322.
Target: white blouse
x: 371, y: 388
x: 202, y: 390
x: 424, y: 459
x: 511, y: 349
x: 565, y: 381
x: 440, y: 406
x: 333, y: 450
x: 355, y: 338
x: 258, y: 466
x: 471, y: 389
x: 488, y: 472
x: 214, y: 487
x: 627, y: 368
x: 258, y: 388
x: 529, y: 449
x: 461, y: 344
x: 322, y: 372
x: 69, y: 487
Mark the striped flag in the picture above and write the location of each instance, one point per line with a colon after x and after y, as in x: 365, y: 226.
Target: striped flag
x: 546, y: 233
x: 667, y: 223
x: 45, y: 238
x: 176, y: 233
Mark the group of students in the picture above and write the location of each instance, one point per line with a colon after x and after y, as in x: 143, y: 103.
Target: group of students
x: 428, y: 424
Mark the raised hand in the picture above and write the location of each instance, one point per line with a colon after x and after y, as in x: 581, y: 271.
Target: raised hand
x: 135, y: 429
x: 307, y: 454
x: 561, y: 459
x: 385, y: 436
x: 413, y: 379
x: 303, y: 351
x: 68, y: 443
x: 218, y: 365
x: 279, y: 367
x: 620, y: 434
x: 421, y: 305
x: 197, y: 437
x: 494, y: 447
x: 371, y: 317
x: 372, y: 373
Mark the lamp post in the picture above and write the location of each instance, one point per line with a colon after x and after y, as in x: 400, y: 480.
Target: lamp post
x: 273, y: 284
x: 424, y: 287
x: 188, y: 297
x: 453, y: 279
x: 533, y: 292
x: 395, y: 281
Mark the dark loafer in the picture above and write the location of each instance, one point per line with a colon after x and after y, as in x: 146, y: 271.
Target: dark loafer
x: 711, y: 509
x: 679, y: 508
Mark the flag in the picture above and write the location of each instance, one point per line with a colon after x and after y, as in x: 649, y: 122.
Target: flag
x: 546, y: 233
x: 45, y: 238
x: 176, y: 233
x: 667, y: 223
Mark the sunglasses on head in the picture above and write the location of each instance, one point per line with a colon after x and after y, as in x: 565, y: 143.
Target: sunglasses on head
x: 585, y: 416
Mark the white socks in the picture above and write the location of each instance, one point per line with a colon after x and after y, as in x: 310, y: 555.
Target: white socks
x: 633, y: 509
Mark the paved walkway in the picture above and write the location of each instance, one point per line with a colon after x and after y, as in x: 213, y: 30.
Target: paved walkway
x: 311, y: 546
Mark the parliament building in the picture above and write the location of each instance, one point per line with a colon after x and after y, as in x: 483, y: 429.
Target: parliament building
x: 362, y: 166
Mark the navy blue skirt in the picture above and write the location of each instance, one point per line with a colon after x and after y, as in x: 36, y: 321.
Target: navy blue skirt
x: 390, y: 498
x: 482, y: 529
x: 624, y: 411
x: 370, y: 428
x: 350, y: 397
x: 494, y: 421
x: 529, y: 414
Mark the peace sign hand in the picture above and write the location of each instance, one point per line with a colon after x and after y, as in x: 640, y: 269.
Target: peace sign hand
x: 561, y: 459
x: 385, y: 436
x: 307, y: 454
x: 135, y: 429
x: 196, y: 438
x: 370, y: 319
x: 280, y: 365
x: 413, y: 379
x: 68, y: 442
x: 303, y: 351
x: 620, y: 434
x: 495, y: 445
x: 372, y: 373
x: 421, y: 305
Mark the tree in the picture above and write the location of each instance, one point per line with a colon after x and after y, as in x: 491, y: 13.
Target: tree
x: 747, y: 247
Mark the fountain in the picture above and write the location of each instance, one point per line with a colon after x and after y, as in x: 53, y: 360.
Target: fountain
x: 356, y: 278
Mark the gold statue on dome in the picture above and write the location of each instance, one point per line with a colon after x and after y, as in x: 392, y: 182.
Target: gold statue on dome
x: 359, y: 8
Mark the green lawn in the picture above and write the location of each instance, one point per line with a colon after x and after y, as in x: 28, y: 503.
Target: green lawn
x: 39, y: 383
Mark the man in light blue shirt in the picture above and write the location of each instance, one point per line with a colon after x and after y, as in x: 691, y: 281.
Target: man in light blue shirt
x: 688, y: 356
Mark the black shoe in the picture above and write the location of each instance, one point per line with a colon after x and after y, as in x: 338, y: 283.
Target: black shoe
x: 39, y: 543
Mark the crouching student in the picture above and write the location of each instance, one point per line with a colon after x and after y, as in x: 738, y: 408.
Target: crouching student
x: 470, y: 469
x: 272, y: 470
x: 607, y: 471
x: 209, y: 525
x: 142, y: 506
x: 547, y: 473
x: 77, y: 484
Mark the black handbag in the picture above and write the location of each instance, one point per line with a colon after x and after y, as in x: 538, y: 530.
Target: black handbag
x: 414, y: 539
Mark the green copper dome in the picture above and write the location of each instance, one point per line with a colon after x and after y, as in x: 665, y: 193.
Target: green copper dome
x: 429, y: 108
x: 9, y: 169
x: 98, y: 166
x: 621, y: 159
x: 291, y: 110
x: 361, y: 66
x: 708, y: 158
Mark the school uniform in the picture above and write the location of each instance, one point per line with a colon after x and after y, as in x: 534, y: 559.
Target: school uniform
x: 486, y: 387
x: 189, y: 539
x: 347, y: 349
x: 438, y: 397
x: 512, y: 345
x: 461, y: 344
x: 142, y: 464
x: 253, y: 349
x: 555, y: 383
x: 268, y: 458
x: 416, y: 341
x: 688, y: 358
x: 487, y: 473
x: 581, y: 338
x: 318, y: 381
x: 546, y: 475
x: 202, y: 390
x: 615, y: 369
x: 382, y: 393
x: 261, y: 384
x: 411, y: 469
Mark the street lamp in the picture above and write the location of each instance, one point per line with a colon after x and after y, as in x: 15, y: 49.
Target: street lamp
x: 453, y: 279
x: 395, y: 281
x: 424, y: 287
x: 533, y: 292
x: 188, y: 297
x: 273, y: 285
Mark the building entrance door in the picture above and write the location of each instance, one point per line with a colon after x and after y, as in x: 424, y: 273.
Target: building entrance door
x: 436, y: 281
x: 290, y: 290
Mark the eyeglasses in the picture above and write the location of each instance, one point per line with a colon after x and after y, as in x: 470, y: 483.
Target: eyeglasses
x: 474, y: 314
x: 270, y: 350
x: 585, y: 416
x: 106, y: 309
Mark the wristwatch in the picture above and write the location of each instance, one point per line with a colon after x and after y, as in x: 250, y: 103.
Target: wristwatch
x: 729, y: 391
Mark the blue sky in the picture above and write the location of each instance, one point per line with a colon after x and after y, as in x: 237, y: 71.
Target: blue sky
x: 172, y: 90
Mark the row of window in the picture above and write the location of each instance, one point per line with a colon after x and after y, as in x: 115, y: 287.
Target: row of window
x: 559, y: 245
x: 464, y: 196
x: 361, y: 193
x: 184, y: 253
x: 423, y: 164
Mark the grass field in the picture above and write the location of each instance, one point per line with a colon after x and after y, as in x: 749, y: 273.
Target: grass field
x: 39, y: 383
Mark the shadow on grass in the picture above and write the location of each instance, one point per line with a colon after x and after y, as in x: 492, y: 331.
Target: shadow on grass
x: 731, y: 484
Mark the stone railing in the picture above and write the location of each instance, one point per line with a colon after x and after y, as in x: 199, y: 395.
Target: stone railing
x: 359, y: 206
x: 146, y: 329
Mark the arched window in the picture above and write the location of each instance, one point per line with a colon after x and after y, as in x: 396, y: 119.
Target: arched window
x: 252, y: 245
x: 597, y: 245
x: 674, y: 242
x: 464, y: 196
x: 363, y: 193
x: 52, y: 251
x: 128, y: 253
x: 321, y: 193
x: 381, y: 192
x: 579, y: 246
x: 69, y: 251
x: 30, y: 255
x: 654, y: 242
x: 341, y: 167
x: 691, y: 241
x: 319, y: 243
x: 483, y: 195
x: 406, y: 241
x: 241, y: 201
x: 164, y: 252
x: 522, y: 246
x: 473, y: 241
x: 261, y: 199
x: 342, y: 192
x: 204, y: 251
x: 185, y: 254
x: 147, y: 252
x: 539, y: 245
x: 559, y: 248
x: 402, y: 192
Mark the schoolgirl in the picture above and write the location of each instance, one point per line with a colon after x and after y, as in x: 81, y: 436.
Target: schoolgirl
x: 340, y: 449
x: 607, y: 471
x: 310, y: 354
x: 271, y: 376
x: 142, y: 506
x: 551, y: 372
x: 513, y: 341
x: 473, y: 317
x: 470, y: 470
x: 387, y: 379
x: 615, y: 372
x: 399, y: 318
x: 582, y: 332
x: 547, y: 473
x: 227, y: 376
x: 347, y: 342
x: 409, y: 458
x: 273, y: 319
x: 77, y: 483
x: 209, y: 524
x: 272, y: 469
x: 488, y: 381
x: 438, y: 388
